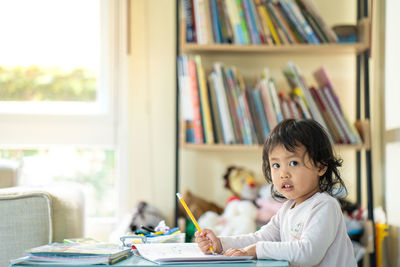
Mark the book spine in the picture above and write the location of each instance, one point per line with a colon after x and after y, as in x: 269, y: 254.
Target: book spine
x: 243, y: 23
x: 278, y: 19
x: 260, y: 112
x: 341, y: 136
x: 330, y: 126
x: 197, y: 124
x: 285, y: 106
x: 248, y: 123
x: 251, y: 129
x: 263, y: 22
x: 349, y: 137
x: 216, y: 25
x: 267, y: 103
x: 312, y: 8
x: 313, y: 23
x: 304, y: 24
x: 215, y: 118
x: 226, y: 26
x: 257, y: 21
x: 235, y: 21
x: 270, y: 25
x: 205, y: 105
x: 254, y: 116
x: 248, y: 13
x: 275, y: 101
x: 185, y: 98
x: 237, y: 108
x: 190, y: 31
x: 200, y: 21
x: 222, y: 105
x: 289, y: 13
x: 208, y: 22
x: 322, y: 79
x: 294, y: 109
x: 304, y: 110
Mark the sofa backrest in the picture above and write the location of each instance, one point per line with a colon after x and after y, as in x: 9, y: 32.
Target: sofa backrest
x: 25, y: 223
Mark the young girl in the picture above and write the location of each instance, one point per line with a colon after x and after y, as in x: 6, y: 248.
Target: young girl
x: 309, y: 229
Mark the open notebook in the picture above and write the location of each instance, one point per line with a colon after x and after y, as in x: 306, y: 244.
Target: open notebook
x: 182, y: 253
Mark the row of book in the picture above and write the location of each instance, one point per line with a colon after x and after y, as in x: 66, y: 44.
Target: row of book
x: 221, y: 108
x: 244, y: 22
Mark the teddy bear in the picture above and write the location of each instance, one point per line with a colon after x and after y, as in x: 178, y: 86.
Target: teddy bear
x: 197, y: 205
x: 241, y: 182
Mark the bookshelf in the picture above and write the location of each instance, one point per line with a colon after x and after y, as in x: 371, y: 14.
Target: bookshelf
x: 235, y: 52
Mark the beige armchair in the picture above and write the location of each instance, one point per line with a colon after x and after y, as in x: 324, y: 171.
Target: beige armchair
x: 9, y: 172
x: 33, y: 217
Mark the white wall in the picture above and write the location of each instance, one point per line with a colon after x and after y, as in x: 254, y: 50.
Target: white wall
x: 152, y: 98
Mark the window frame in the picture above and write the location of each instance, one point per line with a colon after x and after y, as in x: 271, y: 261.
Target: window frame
x: 73, y: 123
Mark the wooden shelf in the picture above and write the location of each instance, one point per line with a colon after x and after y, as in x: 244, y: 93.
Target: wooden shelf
x: 363, y: 128
x: 328, y: 48
x: 222, y: 147
x: 301, y: 48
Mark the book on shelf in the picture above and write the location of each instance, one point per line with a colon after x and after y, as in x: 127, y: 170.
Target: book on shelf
x: 184, y: 253
x: 245, y: 114
x: 310, y: 7
x: 74, y: 254
x: 204, y: 102
x: 189, y: 21
x: 222, y: 102
x: 245, y: 22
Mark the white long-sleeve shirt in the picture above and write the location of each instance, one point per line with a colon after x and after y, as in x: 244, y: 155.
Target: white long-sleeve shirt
x: 312, y: 233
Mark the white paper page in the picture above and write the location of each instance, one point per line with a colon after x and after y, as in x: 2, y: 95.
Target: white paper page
x: 169, y: 252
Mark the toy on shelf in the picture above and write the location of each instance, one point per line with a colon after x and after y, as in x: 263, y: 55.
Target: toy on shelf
x: 197, y: 205
x: 146, y: 215
x: 238, y: 218
x: 250, y: 206
x: 267, y: 206
x: 241, y: 182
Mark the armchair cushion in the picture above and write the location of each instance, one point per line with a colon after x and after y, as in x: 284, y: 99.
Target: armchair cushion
x: 33, y: 217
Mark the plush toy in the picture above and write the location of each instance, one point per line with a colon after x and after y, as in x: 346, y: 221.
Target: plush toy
x: 197, y: 205
x: 241, y: 183
x: 267, y: 206
x: 238, y: 218
x: 146, y: 215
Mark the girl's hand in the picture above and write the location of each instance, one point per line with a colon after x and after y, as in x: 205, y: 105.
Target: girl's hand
x: 247, y: 251
x: 206, y: 239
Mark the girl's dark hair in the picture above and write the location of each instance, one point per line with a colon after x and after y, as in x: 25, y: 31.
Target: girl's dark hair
x: 309, y: 133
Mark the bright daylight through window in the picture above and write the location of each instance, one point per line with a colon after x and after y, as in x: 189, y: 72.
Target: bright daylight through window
x: 52, y: 65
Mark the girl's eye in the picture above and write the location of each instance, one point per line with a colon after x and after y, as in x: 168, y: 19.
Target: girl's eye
x: 293, y: 163
x: 275, y: 165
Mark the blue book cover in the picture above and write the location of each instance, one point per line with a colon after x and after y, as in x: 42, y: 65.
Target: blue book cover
x: 216, y: 24
x: 303, y: 23
x: 243, y: 24
x: 190, y: 33
x: 260, y: 112
x: 292, y: 17
x: 249, y: 15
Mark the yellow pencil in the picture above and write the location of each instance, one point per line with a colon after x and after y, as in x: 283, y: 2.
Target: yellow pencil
x: 190, y: 215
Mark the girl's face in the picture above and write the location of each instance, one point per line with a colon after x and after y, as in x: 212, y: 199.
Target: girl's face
x: 293, y: 173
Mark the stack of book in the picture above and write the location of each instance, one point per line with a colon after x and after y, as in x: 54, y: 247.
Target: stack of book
x: 73, y: 254
x: 222, y: 108
x: 245, y: 22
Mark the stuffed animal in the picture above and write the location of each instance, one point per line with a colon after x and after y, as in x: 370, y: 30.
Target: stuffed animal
x: 197, y: 205
x: 238, y: 218
x: 267, y: 206
x: 146, y: 215
x: 241, y: 183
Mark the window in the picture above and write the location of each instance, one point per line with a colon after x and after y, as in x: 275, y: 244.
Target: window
x: 62, y: 76
x: 54, y: 57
